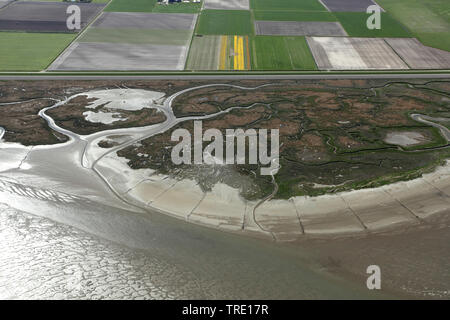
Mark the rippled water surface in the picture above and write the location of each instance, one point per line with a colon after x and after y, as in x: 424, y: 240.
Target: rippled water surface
x: 42, y: 259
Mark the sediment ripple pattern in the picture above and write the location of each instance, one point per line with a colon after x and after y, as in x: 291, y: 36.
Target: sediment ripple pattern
x: 41, y: 259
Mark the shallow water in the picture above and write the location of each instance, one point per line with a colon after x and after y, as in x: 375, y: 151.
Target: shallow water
x: 127, y: 255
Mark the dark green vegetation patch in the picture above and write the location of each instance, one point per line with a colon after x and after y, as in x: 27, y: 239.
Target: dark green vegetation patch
x: 31, y: 51
x: 332, y: 135
x: 296, y: 5
x: 294, y: 16
x: 355, y: 25
x: 281, y: 53
x: 178, y: 8
x: 225, y: 22
x: 131, y: 5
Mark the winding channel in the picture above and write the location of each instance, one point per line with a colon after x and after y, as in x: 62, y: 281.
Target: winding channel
x: 203, y: 262
x: 142, y: 133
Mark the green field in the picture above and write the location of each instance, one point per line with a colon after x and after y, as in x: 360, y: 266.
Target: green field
x: 299, y: 5
x: 93, y: 1
x: 31, y: 51
x: 137, y: 36
x: 225, y: 22
x: 131, y: 5
x: 355, y: 25
x: 428, y: 20
x: 281, y: 53
x: 294, y: 16
x: 178, y: 8
x: 204, y: 53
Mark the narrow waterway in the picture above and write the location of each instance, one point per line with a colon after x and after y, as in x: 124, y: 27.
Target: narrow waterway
x: 65, y: 234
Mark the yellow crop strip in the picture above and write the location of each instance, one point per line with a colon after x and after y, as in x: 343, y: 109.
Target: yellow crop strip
x: 236, y: 54
x: 241, y: 53
x: 238, y: 58
x: 223, y: 53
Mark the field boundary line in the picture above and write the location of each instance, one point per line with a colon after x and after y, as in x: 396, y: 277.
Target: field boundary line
x: 312, y: 54
x: 397, y: 54
x: 189, y: 42
x: 321, y: 2
x: 79, y: 35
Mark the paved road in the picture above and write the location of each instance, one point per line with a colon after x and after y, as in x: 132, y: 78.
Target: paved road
x: 230, y: 77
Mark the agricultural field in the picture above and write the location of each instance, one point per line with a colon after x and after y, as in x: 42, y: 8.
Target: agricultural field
x: 204, y: 53
x: 428, y: 20
x: 347, y: 5
x: 340, y: 53
x: 418, y: 56
x: 219, y: 53
x: 287, y: 5
x: 299, y: 28
x: 31, y: 51
x: 43, y: 16
x: 227, y: 5
x: 241, y: 34
x: 225, y: 22
x: 151, y: 6
x: 294, y: 16
x: 355, y: 25
x: 93, y: 1
x: 131, y: 41
x: 181, y: 7
x: 131, y: 6
x: 281, y: 53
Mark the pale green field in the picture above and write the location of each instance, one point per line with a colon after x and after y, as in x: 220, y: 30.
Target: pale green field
x: 31, y: 51
x: 281, y: 53
x: 428, y: 20
x: 204, y: 53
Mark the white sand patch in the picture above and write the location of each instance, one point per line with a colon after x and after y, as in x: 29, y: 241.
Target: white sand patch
x: 118, y: 138
x: 117, y: 172
x: 440, y: 179
x: 421, y: 199
x: 103, y: 117
x: 326, y: 214
x: 124, y: 99
x: 223, y: 206
x: 405, y: 138
x: 377, y: 209
x: 279, y: 217
x: 150, y: 189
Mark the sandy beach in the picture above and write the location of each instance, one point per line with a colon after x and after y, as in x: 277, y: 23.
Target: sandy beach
x: 359, y: 211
